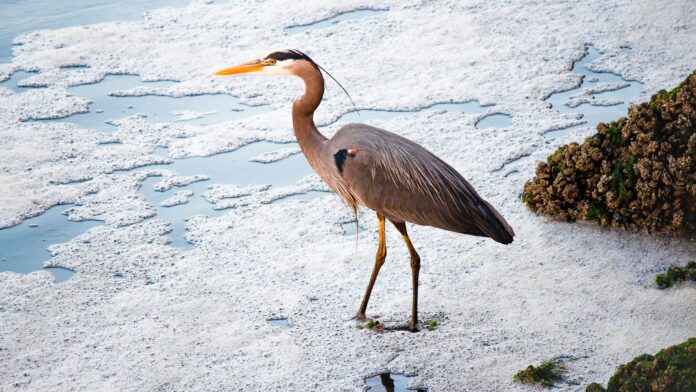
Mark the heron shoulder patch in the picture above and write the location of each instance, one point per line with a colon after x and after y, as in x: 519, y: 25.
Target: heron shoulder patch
x: 340, y: 159
x: 341, y: 155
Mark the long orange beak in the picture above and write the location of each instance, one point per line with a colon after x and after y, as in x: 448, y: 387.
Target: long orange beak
x: 252, y: 66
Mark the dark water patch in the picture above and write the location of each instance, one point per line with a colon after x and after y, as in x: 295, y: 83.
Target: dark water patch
x: 24, y: 248
x: 280, y: 323
x: 335, y: 19
x: 605, y: 105
x: 198, y: 109
x: 60, y: 274
x: 19, y: 17
x: 494, y: 120
x: 390, y: 382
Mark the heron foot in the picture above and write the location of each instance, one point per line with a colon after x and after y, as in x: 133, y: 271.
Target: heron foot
x: 404, y: 327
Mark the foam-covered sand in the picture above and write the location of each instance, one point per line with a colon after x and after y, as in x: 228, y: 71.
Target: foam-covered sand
x: 142, y: 315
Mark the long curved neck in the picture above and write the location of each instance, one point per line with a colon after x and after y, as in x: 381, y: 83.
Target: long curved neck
x: 307, y: 134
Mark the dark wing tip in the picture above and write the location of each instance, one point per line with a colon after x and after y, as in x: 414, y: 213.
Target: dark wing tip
x: 494, y: 225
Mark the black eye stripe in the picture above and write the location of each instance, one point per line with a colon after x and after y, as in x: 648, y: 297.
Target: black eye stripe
x: 290, y: 54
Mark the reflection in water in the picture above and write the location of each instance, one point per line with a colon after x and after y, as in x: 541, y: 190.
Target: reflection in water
x: 390, y: 382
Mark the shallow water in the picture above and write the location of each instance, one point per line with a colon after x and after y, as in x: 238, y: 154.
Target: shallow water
x: 24, y: 248
x: 280, y: 323
x: 227, y: 168
x: 333, y: 20
x: 470, y: 107
x: 22, y: 16
x: 595, y: 111
x: 11, y: 83
x: 495, y: 120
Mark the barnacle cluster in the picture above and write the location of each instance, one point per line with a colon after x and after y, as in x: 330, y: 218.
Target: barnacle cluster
x: 637, y: 172
x: 670, y: 370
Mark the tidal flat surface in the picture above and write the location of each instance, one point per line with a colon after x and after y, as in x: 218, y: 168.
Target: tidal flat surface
x: 201, y: 321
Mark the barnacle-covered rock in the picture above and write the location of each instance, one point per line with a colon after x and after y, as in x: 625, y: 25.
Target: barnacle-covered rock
x: 637, y: 172
x: 670, y: 370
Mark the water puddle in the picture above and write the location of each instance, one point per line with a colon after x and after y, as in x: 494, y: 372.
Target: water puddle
x: 60, y: 274
x: 24, y: 248
x: 601, y: 96
x: 280, y: 323
x: 199, y: 109
x: 335, y: 19
x: 470, y: 107
x: 390, y: 382
x: 15, y: 78
x: 20, y: 17
x: 494, y: 120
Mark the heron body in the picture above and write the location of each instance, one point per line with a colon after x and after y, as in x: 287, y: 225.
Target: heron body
x: 395, y: 177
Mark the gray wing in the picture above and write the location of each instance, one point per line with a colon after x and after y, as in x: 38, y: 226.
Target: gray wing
x: 405, y: 182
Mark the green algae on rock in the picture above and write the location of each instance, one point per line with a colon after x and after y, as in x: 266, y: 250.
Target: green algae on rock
x: 637, y: 172
x: 675, y: 274
x: 430, y: 325
x: 670, y: 370
x: 594, y: 387
x: 544, y: 375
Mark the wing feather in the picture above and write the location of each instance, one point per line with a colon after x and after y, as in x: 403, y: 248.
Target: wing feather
x: 405, y: 182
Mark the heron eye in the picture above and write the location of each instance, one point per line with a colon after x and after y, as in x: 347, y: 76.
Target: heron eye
x: 271, y: 62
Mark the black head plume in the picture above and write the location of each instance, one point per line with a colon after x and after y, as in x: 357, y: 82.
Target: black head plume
x: 294, y: 54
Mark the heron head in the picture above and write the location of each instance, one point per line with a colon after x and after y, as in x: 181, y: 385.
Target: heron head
x: 283, y: 62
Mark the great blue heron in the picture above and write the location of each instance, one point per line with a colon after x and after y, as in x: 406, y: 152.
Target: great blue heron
x: 389, y: 174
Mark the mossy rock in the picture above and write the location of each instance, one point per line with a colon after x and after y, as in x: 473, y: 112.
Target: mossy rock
x: 430, y: 325
x: 670, y: 370
x: 594, y: 387
x: 545, y: 375
x: 676, y: 274
x: 638, y: 172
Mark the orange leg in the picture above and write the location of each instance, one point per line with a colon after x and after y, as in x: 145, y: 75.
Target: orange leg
x: 415, y: 269
x: 379, y: 261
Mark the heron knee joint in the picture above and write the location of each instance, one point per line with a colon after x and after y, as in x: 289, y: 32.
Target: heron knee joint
x: 415, y: 262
